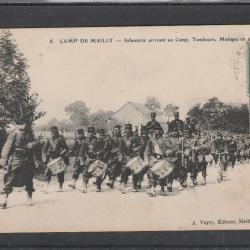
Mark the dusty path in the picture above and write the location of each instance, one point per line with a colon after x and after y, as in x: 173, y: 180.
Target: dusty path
x: 111, y: 210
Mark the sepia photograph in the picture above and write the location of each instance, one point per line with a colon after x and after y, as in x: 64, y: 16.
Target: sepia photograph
x: 112, y: 129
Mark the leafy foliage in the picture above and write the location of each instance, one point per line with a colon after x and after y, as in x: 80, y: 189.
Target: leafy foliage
x: 170, y: 109
x: 216, y: 115
x: 16, y: 101
x: 153, y: 103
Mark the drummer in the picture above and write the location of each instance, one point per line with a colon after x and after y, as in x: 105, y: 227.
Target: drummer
x: 92, y: 151
x: 53, y: 148
x: 154, y: 152
x: 115, y: 157
x: 78, y: 168
x: 129, y: 148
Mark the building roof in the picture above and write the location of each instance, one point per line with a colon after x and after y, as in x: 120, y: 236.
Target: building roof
x: 143, y: 110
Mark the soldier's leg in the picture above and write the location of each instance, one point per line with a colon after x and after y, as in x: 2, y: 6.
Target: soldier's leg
x: 60, y: 178
x: 233, y: 160
x: 29, y: 189
x: 194, y: 167
x: 6, y: 189
x: 136, y: 178
x: 85, y: 177
x: 152, y: 182
x: 204, y: 172
x: 125, y: 172
x: 162, y: 183
x: 76, y: 172
x: 47, y: 177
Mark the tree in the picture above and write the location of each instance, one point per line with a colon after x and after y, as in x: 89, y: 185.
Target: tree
x: 169, y: 110
x: 152, y: 103
x: 78, y: 113
x: 100, y: 117
x: 16, y: 101
x: 216, y: 115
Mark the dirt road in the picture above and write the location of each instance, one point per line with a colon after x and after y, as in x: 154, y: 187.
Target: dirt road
x: 194, y: 208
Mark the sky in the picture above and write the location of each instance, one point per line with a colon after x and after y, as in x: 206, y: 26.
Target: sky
x: 107, y: 75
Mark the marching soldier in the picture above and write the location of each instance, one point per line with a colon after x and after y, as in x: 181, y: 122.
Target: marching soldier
x: 129, y: 149
x: 153, y: 124
x: 220, y: 152
x: 189, y: 157
x: 78, y: 168
x: 176, y: 156
x: 18, y: 162
x: 177, y: 125
x: 95, y: 149
x: 53, y: 148
x: 154, y: 152
x: 232, y: 150
x: 201, y: 150
x: 115, y: 157
x: 189, y: 127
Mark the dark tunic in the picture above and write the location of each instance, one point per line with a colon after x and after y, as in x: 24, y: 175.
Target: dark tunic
x: 17, y: 155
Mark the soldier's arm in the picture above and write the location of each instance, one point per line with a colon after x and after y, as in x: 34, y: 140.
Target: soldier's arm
x: 8, y: 148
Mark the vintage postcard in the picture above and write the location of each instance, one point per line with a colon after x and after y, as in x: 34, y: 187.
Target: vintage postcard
x: 124, y: 129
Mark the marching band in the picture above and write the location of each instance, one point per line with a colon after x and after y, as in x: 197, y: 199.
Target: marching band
x: 160, y: 157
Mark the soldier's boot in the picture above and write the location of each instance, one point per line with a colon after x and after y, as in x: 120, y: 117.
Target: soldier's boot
x: 46, y: 188
x: 124, y: 188
x: 169, y: 187
x: 98, y: 188
x: 163, y: 193
x: 204, y: 181
x: 73, y: 185
x: 139, y: 184
x: 3, y: 201
x: 84, y: 189
x: 29, y: 201
x: 180, y: 188
x: 195, y: 181
x: 134, y: 186
x: 60, y: 187
x: 111, y: 184
x: 151, y: 192
x: 184, y: 183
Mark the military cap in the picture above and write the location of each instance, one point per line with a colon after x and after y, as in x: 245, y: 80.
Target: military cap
x: 128, y: 126
x: 144, y: 130
x: 80, y: 131
x: 101, y: 131
x: 117, y: 126
x: 153, y: 114
x: 91, y: 130
x: 54, y: 128
x: 176, y: 113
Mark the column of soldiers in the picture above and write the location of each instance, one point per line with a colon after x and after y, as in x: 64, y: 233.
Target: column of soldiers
x: 182, y: 147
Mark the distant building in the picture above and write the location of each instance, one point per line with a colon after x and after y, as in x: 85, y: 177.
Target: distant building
x: 137, y: 114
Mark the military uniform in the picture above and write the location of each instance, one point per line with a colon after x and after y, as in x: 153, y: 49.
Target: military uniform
x: 115, y: 157
x: 152, y: 125
x: 94, y: 149
x: 17, y: 158
x: 174, y: 145
x: 176, y: 126
x: 53, y: 148
x: 220, y: 152
x: 201, y: 149
x: 75, y: 152
x: 232, y: 151
x: 129, y: 148
x: 154, y: 152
